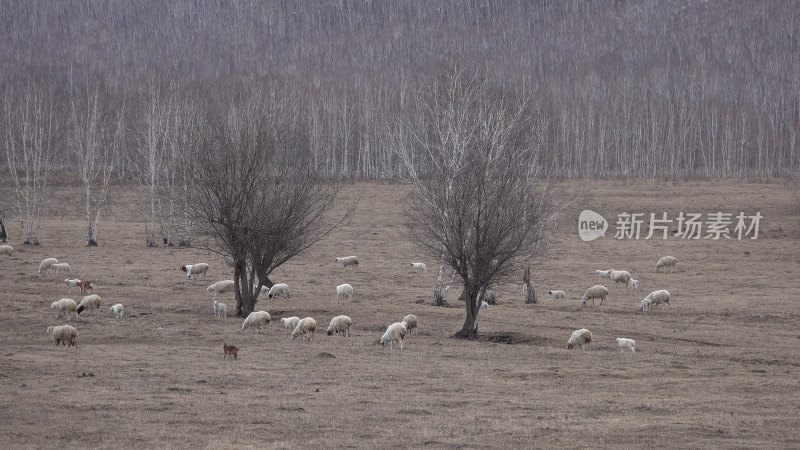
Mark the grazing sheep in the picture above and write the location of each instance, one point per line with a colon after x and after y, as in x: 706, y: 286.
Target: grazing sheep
x: 85, y: 285
x: 348, y: 261
x: 658, y: 297
x: 90, y: 302
x: 72, y: 283
x: 484, y: 305
x: 411, y: 322
x: 257, y: 320
x: 194, y: 270
x: 220, y: 309
x: 60, y: 268
x: 64, y: 334
x: 305, y: 327
x: 620, y: 276
x: 118, y: 309
x: 580, y: 338
x: 264, y: 290
x: 230, y: 350
x: 596, y: 291
x: 604, y: 273
x: 624, y: 343
x: 220, y: 287
x: 635, y: 284
x: 278, y: 289
x: 7, y: 250
x: 289, y: 323
x: 419, y: 267
x: 489, y: 297
x: 65, y: 305
x: 344, y: 290
x: 340, y: 324
x: 46, y: 263
x: 558, y: 295
x: 644, y: 306
x: 667, y: 261
x: 395, y: 333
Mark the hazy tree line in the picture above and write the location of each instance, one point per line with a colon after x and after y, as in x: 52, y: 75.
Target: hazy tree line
x: 628, y: 89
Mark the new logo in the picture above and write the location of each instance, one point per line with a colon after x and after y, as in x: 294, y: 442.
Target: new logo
x: 591, y: 225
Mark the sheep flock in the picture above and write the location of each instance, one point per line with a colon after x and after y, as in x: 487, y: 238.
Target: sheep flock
x: 396, y: 333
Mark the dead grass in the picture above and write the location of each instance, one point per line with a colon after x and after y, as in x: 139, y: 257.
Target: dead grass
x: 717, y: 370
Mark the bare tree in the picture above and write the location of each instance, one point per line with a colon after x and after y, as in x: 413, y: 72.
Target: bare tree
x: 95, y: 138
x: 254, y: 192
x: 489, y: 211
x: 28, y: 132
x: 148, y: 158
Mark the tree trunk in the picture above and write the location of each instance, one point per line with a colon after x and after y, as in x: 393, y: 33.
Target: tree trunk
x: 3, y: 234
x: 246, y: 290
x: 91, y: 239
x: 245, y: 303
x: 530, y: 293
x: 470, y: 328
x: 438, y: 298
x: 26, y: 240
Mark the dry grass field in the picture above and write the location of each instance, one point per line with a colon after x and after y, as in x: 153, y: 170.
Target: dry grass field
x: 717, y: 370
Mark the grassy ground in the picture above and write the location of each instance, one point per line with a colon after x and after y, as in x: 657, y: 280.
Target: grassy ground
x: 718, y: 369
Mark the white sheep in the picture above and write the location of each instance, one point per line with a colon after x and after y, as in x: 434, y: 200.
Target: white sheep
x: 635, y: 284
x: 348, y: 261
x: 580, y: 338
x: 289, y: 323
x: 72, y: 283
x: 305, y: 327
x: 257, y: 320
x: 596, y: 291
x: 658, y: 297
x: 624, y: 343
x: 46, y: 263
x: 558, y: 295
x: 60, y: 267
x: 118, y: 310
x: 64, y: 334
x: 195, y: 270
x: 620, y: 276
x: 667, y: 261
x: 277, y: 290
x: 340, y: 324
x: 344, y: 290
x: 7, y: 250
x: 65, y: 305
x: 604, y: 273
x: 490, y: 297
x: 220, y: 287
x: 92, y: 301
x: 419, y: 267
x: 644, y: 306
x: 220, y: 309
x: 484, y: 305
x: 264, y: 290
x: 395, y: 333
x: 411, y: 322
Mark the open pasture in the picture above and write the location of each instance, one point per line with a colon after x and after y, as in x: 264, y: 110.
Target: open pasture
x: 717, y: 369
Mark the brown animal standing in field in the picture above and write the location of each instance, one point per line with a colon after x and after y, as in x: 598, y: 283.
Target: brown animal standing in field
x: 85, y: 285
x: 230, y: 350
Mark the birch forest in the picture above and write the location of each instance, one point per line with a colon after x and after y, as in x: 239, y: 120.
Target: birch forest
x: 650, y: 88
